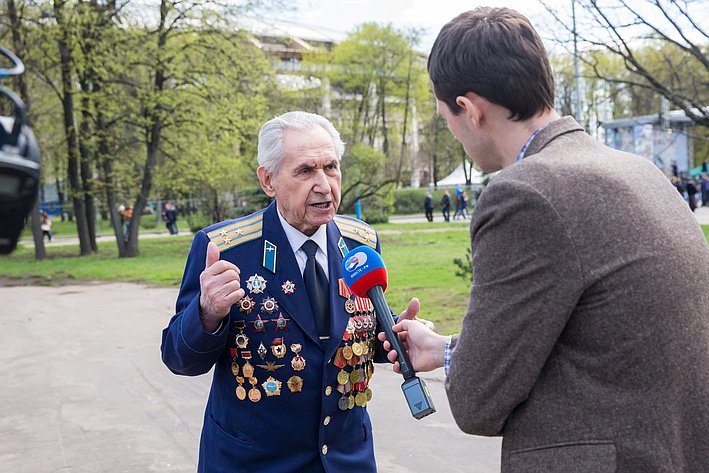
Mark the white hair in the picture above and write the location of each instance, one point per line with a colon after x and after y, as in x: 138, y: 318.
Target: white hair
x: 270, y: 136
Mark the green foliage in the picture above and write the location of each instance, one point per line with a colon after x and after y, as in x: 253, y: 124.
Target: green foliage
x: 465, y: 267
x: 363, y: 178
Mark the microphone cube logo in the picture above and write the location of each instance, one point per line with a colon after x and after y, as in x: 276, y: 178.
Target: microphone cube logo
x: 355, y: 261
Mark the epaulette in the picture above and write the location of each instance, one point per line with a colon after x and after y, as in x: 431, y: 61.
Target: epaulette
x: 236, y: 232
x: 356, y: 229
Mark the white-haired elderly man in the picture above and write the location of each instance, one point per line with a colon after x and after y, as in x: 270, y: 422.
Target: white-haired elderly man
x: 262, y: 300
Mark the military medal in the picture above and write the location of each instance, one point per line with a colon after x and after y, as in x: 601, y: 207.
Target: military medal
x: 343, y: 377
x: 256, y: 284
x: 361, y: 399
x: 254, y: 393
x: 278, y: 348
x: 350, y: 401
x: 246, y: 305
x: 298, y: 362
x: 342, y: 403
x: 295, y: 384
x: 350, y: 306
x: 288, y: 287
x: 347, y: 352
x: 234, y: 364
x: 354, y: 376
x: 368, y: 394
x: 240, y: 391
x: 281, y: 323
x: 241, y: 339
x: 247, y: 369
x: 259, y: 324
x: 269, y: 305
x: 357, y: 348
x: 272, y: 387
x: 262, y: 352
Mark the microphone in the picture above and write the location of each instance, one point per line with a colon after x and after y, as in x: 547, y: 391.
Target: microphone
x: 366, y: 276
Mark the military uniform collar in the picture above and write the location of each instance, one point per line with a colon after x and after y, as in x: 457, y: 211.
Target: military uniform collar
x: 296, y: 238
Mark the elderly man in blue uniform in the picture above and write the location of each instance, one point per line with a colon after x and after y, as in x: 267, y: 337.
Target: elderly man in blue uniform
x: 262, y: 300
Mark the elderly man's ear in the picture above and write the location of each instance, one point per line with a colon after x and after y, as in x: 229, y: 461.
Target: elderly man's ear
x: 265, y: 178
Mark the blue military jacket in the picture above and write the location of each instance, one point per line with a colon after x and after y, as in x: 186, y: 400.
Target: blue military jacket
x: 281, y: 399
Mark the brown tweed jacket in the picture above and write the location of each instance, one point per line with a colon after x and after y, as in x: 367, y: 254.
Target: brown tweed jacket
x: 586, y: 342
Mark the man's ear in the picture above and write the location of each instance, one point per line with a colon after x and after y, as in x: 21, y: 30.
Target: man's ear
x: 473, y: 107
x: 265, y: 178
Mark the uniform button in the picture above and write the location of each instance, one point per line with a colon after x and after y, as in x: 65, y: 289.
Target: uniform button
x: 328, y: 390
x: 324, y: 449
x: 326, y: 420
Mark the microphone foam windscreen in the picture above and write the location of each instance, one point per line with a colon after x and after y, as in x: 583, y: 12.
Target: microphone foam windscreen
x: 363, y: 269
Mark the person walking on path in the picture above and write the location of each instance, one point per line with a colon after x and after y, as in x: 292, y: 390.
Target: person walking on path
x: 428, y: 206
x: 446, y: 206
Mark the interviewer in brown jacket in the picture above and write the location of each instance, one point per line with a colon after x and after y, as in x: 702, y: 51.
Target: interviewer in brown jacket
x: 586, y: 342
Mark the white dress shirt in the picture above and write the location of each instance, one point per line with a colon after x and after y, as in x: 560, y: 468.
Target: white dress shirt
x: 296, y: 239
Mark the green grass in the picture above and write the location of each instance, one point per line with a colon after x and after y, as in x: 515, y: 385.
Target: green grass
x: 420, y: 264
x: 161, y: 262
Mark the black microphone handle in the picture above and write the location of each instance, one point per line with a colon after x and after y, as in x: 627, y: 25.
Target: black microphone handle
x: 376, y: 295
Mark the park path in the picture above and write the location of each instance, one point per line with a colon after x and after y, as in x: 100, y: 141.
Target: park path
x: 84, y: 391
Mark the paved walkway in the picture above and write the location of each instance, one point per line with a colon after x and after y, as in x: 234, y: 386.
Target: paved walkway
x: 84, y: 391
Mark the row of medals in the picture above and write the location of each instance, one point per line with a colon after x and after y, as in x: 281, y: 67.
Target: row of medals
x: 353, y: 357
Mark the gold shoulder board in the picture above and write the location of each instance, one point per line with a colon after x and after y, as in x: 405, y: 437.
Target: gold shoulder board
x: 357, y: 230
x: 235, y: 232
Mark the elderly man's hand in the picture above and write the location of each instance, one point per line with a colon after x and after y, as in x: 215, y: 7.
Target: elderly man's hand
x: 220, y: 288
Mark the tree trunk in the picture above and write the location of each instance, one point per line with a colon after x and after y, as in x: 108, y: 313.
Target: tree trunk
x: 154, y: 132
x: 18, y: 45
x: 65, y: 55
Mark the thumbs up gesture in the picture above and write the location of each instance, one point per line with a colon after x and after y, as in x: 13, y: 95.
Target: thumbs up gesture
x: 220, y: 288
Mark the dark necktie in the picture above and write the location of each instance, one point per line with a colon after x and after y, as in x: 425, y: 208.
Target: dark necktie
x: 318, y: 289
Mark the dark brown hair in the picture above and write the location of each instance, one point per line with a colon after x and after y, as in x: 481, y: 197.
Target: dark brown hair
x: 497, y: 54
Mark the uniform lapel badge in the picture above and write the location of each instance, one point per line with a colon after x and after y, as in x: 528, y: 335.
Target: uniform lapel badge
x: 288, y: 287
x: 281, y: 323
x: 262, y: 352
x: 269, y: 305
x: 272, y: 387
x: 298, y: 362
x: 246, y: 305
x: 269, y: 256
x: 256, y: 284
x: 295, y: 384
x: 270, y: 366
x: 343, y: 247
x: 241, y: 340
x: 278, y: 348
x: 259, y: 324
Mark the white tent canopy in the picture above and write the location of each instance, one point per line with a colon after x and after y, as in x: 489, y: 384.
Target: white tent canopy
x: 457, y: 177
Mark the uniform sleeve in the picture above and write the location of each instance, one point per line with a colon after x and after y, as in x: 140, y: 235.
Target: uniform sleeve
x: 187, y: 348
x: 527, y: 280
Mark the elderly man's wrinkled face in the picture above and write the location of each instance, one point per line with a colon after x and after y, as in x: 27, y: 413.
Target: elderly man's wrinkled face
x: 307, y: 186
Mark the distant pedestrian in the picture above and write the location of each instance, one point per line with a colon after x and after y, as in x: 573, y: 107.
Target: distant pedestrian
x: 428, y: 206
x: 46, y: 226
x: 705, y: 189
x: 170, y: 216
x: 691, y: 194
x: 127, y: 217
x: 446, y: 206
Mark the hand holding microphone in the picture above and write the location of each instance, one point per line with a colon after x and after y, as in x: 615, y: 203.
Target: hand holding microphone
x: 366, y: 276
